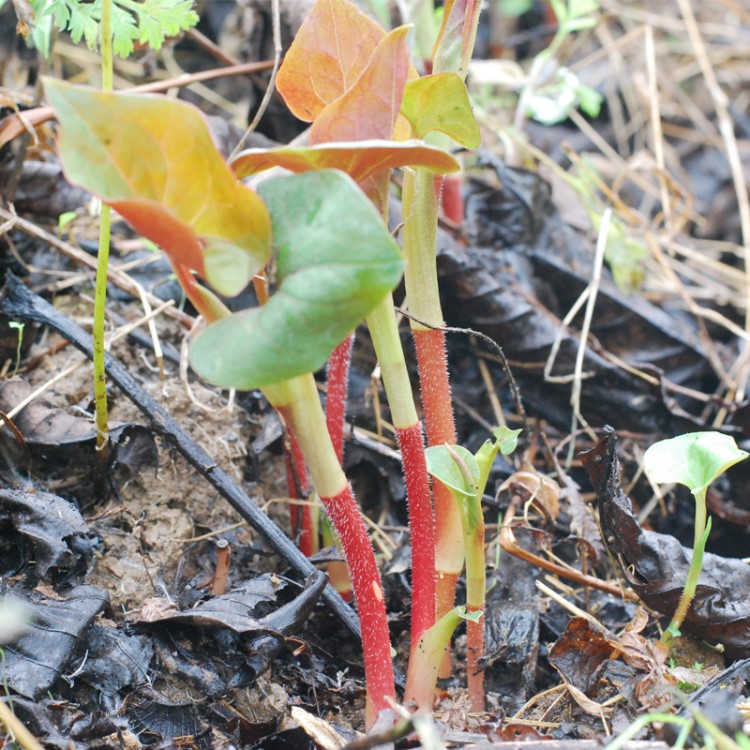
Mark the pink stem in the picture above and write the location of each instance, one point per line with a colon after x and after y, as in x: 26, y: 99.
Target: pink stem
x: 347, y: 520
x: 474, y: 670
x: 300, y: 516
x: 438, y: 409
x: 422, y: 528
x: 452, y: 199
x: 338, y: 385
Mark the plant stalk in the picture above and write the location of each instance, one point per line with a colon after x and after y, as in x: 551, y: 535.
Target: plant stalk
x: 385, y: 337
x: 452, y: 51
x: 102, y: 264
x: 297, y: 400
x: 700, y: 537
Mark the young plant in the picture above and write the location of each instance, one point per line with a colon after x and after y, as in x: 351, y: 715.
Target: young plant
x: 451, y: 54
x: 153, y: 160
x: 694, y: 460
x: 115, y: 25
x: 465, y: 475
x: 349, y: 78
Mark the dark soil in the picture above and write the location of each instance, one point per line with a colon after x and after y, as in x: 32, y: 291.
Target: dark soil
x: 112, y: 569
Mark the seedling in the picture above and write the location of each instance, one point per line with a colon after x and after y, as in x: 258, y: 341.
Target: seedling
x: 451, y: 54
x: 349, y: 78
x: 335, y: 261
x: 694, y: 460
x: 19, y: 332
x: 465, y: 475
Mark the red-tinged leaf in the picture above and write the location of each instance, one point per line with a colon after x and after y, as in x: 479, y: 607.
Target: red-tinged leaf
x: 330, y: 51
x: 440, y: 102
x: 153, y: 160
x: 369, y: 108
x: 359, y: 160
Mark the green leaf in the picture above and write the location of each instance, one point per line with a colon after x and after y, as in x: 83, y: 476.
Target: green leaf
x: 441, y: 103
x: 427, y: 656
x: 694, y: 460
x: 507, y: 439
x: 146, y: 21
x: 441, y: 464
x: 336, y: 262
x: 154, y: 161
x: 474, y: 616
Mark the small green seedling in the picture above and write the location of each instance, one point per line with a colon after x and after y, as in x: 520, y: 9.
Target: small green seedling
x: 694, y: 460
x: 19, y: 328
x: 465, y: 475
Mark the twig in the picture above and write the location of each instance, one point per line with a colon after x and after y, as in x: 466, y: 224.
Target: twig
x: 264, y: 102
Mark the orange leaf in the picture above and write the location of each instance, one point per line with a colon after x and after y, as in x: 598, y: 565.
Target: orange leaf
x: 359, y: 160
x: 370, y: 107
x: 153, y: 160
x: 332, y: 48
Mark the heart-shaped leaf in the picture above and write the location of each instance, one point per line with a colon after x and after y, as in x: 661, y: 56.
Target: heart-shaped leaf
x: 440, y: 102
x: 328, y: 54
x: 336, y: 262
x: 695, y: 459
x: 153, y: 160
x: 359, y: 160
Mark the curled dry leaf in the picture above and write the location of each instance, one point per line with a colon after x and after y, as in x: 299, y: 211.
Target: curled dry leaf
x: 535, y: 488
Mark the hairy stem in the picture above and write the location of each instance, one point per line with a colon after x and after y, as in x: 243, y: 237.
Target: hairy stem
x: 297, y: 400
x: 387, y: 343
x: 338, y: 387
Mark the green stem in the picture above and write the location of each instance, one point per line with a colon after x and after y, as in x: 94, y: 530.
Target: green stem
x: 102, y: 264
x: 700, y: 537
x: 425, y: 660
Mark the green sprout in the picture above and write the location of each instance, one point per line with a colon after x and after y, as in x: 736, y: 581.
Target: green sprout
x: 19, y: 328
x: 694, y: 460
x: 466, y: 475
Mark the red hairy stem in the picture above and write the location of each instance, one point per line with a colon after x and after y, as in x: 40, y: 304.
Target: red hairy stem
x: 421, y: 525
x: 452, y: 200
x: 387, y: 342
x: 299, y: 404
x: 338, y: 386
x: 344, y: 513
x: 438, y: 409
x: 300, y: 516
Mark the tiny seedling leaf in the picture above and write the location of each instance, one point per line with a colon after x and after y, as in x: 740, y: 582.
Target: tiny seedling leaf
x: 507, y: 439
x: 153, y: 160
x: 359, y: 160
x: 329, y: 52
x: 335, y: 262
x: 695, y: 459
x: 441, y: 103
x: 441, y: 463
